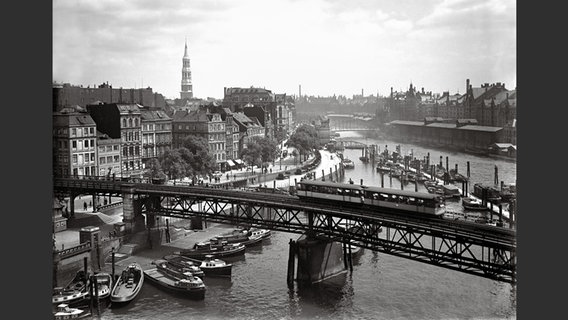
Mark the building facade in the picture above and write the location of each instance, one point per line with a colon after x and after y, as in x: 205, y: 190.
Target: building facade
x: 122, y: 121
x: 65, y: 95
x: 156, y: 133
x: 109, y: 159
x: 74, y: 143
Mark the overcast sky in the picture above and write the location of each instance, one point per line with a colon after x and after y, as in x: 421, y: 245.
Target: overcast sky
x: 327, y: 46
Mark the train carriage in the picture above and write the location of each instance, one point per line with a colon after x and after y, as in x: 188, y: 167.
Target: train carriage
x: 386, y: 198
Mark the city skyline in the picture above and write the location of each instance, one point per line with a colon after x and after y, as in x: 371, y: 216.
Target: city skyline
x: 327, y: 47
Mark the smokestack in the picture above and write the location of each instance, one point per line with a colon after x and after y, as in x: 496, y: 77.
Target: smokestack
x: 362, y: 95
x: 300, y: 87
x: 466, y: 85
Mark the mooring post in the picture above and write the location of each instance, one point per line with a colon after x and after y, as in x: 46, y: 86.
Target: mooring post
x: 415, y: 185
x: 350, y: 257
x: 441, y: 162
x: 112, y: 261
x: 496, y: 182
x: 345, y: 262
x: 382, y: 180
x: 447, y: 164
x: 390, y: 178
x: 322, y: 175
x: 86, y: 270
x: 331, y: 174
x: 468, y: 169
x: 291, y: 262
x: 361, y: 181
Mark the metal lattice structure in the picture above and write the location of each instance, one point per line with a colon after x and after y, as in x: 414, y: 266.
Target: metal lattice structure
x: 466, y: 247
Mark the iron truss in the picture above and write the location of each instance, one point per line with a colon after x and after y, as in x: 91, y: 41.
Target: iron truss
x: 476, y: 250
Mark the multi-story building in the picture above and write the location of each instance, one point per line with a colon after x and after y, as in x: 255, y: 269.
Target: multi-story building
x: 122, y: 121
x: 259, y: 103
x: 248, y: 128
x: 65, y: 95
x: 74, y: 143
x: 205, y: 124
x: 156, y: 133
x: 108, y: 155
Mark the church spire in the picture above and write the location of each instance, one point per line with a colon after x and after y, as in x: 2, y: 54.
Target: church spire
x: 186, y: 85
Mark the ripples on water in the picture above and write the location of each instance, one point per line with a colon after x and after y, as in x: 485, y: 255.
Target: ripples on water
x: 381, y: 286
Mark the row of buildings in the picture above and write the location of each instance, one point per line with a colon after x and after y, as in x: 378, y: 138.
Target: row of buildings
x: 487, y: 113
x: 119, y: 138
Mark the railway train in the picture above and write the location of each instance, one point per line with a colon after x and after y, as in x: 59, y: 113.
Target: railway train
x: 385, y: 198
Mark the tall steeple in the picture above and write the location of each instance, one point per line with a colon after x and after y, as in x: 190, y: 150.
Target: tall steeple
x: 186, y: 86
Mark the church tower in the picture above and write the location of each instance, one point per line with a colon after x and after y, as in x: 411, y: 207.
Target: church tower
x: 186, y: 86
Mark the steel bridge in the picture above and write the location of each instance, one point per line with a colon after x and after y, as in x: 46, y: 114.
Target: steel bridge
x: 471, y: 248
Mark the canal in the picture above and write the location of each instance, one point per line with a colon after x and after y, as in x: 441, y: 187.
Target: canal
x: 380, y: 287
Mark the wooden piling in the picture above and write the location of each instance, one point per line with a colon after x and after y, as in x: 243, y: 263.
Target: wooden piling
x: 361, y: 181
x: 350, y: 257
x: 382, y: 180
x: 468, y: 169
x: 291, y: 262
x: 331, y: 174
x: 496, y: 182
x: 85, y: 269
x: 322, y: 175
x: 447, y: 164
x: 112, y: 261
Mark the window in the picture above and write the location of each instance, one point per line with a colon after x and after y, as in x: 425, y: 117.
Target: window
x: 93, y: 157
x: 86, y: 143
x: 115, y: 147
x: 130, y: 122
x: 80, y: 144
x: 74, y: 145
x: 92, y: 143
x: 124, y: 123
x: 125, y: 151
x: 137, y: 149
x: 102, y: 160
x: 116, y: 158
x: 92, y: 130
x: 74, y: 159
x: 85, y: 131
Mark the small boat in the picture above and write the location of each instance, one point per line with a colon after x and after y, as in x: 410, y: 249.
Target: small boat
x: 474, y: 204
x: 451, y: 191
x: 348, y: 163
x: 263, y: 233
x: 74, y: 292
x: 190, y: 267
x: 65, y: 312
x: 211, y: 267
x: 252, y: 240
x: 179, y: 282
x: 235, y: 236
x: 128, y: 284
x: 215, y: 248
x: 104, y: 284
x: 364, y: 159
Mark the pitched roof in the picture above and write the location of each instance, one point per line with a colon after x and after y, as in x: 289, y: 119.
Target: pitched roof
x: 154, y: 115
x: 480, y: 128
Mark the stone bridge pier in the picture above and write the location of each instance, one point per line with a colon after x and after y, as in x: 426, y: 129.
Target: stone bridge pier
x: 132, y: 210
x: 317, y: 259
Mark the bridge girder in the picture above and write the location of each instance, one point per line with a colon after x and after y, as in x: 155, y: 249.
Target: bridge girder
x: 482, y: 255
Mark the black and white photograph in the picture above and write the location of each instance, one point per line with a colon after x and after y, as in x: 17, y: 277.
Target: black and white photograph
x: 284, y: 159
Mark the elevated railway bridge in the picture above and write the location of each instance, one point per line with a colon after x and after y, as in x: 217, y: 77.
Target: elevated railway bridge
x: 476, y: 249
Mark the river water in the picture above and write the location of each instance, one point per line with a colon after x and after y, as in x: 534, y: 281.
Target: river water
x: 380, y: 286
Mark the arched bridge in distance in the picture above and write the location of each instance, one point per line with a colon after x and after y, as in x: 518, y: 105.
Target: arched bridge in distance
x: 476, y: 249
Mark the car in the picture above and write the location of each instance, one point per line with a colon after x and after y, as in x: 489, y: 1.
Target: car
x: 281, y: 176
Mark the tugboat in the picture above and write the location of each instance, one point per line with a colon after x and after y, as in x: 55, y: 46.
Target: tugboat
x: 176, y: 281
x: 74, y: 292
x: 215, y: 248
x: 128, y: 285
x: 211, y: 267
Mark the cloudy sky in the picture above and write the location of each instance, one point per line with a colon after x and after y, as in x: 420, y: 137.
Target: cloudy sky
x: 327, y: 46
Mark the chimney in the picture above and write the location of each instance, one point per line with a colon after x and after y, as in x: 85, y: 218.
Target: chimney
x: 391, y: 92
x: 466, y: 85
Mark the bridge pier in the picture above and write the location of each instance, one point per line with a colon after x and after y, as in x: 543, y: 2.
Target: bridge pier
x: 132, y: 210
x: 318, y: 259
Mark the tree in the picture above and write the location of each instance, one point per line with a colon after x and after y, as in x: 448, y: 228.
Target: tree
x: 172, y: 164
x: 154, y: 169
x: 199, y: 158
x: 304, y: 139
x: 260, y: 150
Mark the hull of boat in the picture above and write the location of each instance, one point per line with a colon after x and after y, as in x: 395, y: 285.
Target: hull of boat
x: 165, y: 283
x: 122, y: 293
